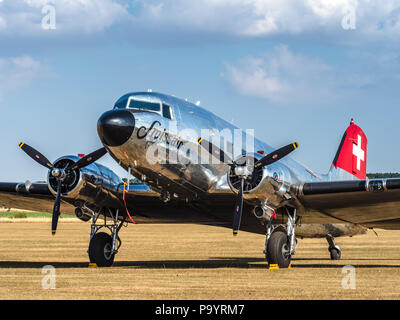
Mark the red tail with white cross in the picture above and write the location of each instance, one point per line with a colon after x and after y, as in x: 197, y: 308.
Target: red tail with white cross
x: 352, y: 153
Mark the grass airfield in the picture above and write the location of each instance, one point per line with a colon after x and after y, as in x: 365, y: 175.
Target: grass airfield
x: 178, y: 261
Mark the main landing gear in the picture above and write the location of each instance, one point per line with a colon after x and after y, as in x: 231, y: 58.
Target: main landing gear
x: 334, y: 249
x: 102, y: 246
x: 281, y: 242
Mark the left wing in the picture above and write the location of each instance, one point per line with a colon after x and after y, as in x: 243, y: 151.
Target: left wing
x: 144, y: 204
x: 37, y: 197
x: 29, y: 196
x: 371, y: 203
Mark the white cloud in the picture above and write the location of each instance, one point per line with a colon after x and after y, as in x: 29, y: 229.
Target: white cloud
x: 17, y: 72
x: 287, y: 77
x: 252, y: 78
x: 24, y: 17
x: 3, y: 23
x: 183, y: 20
x: 251, y: 18
x: 282, y: 76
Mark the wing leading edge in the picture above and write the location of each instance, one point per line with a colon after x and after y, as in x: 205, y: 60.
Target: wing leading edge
x: 372, y: 203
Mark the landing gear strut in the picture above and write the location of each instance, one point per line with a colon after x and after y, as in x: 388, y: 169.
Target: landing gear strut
x: 281, y: 242
x: 102, y: 246
x: 334, y: 249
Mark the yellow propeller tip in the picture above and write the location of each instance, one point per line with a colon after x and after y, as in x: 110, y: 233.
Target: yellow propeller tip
x: 53, y: 232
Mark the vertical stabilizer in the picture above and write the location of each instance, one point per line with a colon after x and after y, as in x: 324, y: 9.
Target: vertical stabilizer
x: 350, y: 162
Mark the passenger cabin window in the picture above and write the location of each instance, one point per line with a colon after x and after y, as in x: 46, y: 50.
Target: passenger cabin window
x: 144, y: 105
x: 167, y: 111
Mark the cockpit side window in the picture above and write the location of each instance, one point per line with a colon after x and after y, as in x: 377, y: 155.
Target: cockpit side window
x: 144, y: 105
x: 167, y: 111
x: 121, y: 104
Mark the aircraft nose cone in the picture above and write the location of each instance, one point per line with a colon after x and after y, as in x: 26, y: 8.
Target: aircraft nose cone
x: 115, y: 127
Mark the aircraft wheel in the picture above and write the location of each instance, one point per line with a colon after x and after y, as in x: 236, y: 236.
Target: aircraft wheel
x: 100, y: 250
x: 278, y: 251
x: 336, y: 254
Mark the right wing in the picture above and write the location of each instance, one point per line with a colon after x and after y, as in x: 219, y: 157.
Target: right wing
x: 371, y: 203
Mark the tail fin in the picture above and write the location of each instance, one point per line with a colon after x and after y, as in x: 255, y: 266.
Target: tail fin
x: 351, y: 158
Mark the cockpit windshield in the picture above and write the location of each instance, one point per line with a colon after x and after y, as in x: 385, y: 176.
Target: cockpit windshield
x: 144, y: 105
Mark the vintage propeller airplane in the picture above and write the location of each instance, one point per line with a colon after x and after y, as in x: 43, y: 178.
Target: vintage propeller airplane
x: 196, y: 167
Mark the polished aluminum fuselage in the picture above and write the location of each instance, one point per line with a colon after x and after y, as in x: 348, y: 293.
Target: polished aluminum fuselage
x: 188, y: 180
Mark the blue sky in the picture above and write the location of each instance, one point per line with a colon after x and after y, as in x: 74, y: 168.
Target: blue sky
x: 288, y: 69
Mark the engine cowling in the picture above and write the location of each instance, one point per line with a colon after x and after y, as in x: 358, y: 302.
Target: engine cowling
x: 94, y: 186
x: 73, y: 182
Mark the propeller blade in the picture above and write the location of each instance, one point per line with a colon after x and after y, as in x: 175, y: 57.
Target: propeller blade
x: 89, y: 159
x: 215, y: 151
x: 56, y: 209
x: 36, y: 155
x: 237, y: 214
x: 276, y: 155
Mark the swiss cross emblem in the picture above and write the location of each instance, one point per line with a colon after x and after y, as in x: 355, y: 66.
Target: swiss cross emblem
x: 358, y: 152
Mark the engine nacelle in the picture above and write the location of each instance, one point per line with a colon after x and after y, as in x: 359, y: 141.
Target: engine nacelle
x: 94, y: 186
x: 269, y: 185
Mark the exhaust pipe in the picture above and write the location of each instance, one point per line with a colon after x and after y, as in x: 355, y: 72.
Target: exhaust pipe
x: 263, y: 212
x: 82, y: 214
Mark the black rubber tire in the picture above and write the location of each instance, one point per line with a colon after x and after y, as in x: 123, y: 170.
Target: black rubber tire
x: 277, y: 245
x: 335, y: 254
x: 98, y: 247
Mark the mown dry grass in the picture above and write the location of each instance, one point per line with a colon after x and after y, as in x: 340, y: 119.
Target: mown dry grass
x: 190, y: 262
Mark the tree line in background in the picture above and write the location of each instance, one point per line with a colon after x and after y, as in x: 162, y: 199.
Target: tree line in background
x: 132, y: 181
x: 383, y: 175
